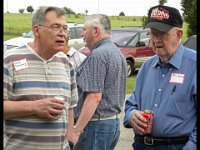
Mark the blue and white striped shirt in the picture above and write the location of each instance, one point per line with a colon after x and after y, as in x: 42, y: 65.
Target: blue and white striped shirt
x: 170, y: 91
x: 29, y: 77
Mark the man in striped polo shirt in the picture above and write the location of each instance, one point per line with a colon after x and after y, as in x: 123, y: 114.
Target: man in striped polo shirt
x: 37, y: 78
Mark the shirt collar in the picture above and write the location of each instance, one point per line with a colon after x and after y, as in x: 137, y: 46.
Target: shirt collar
x: 100, y: 42
x: 177, y: 57
x: 175, y: 60
x: 71, y: 51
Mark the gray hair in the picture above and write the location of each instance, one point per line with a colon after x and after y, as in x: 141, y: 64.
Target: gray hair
x: 100, y: 20
x: 39, y: 16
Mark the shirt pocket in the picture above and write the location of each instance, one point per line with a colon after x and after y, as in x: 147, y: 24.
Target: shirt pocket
x: 179, y: 105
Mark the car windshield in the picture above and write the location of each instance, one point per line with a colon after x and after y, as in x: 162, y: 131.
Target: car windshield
x: 121, y: 38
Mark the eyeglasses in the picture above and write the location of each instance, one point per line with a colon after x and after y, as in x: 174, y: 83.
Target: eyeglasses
x: 57, y: 27
x: 161, y: 35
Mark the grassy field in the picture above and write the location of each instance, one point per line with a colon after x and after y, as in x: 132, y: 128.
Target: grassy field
x: 16, y: 24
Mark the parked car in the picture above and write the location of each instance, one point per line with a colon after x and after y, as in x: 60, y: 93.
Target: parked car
x: 191, y: 42
x: 134, y: 43
x: 75, y: 40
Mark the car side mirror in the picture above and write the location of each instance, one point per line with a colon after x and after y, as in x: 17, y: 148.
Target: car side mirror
x: 140, y: 44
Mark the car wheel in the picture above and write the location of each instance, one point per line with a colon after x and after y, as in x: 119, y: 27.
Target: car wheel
x: 129, y: 68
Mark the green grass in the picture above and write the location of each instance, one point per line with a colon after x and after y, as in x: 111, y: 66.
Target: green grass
x: 130, y: 83
x: 8, y: 36
x: 16, y: 24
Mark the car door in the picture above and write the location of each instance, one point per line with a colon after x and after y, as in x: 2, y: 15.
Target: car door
x: 142, y: 48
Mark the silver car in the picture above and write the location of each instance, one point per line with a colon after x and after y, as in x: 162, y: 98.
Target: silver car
x: 76, y: 41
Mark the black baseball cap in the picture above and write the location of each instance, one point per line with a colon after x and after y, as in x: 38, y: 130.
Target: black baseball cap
x: 163, y: 18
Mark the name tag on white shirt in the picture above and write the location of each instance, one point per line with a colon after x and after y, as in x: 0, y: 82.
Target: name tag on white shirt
x: 20, y: 64
x: 177, y: 78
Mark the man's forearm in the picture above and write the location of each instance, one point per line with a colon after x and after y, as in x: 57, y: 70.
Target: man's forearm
x: 14, y: 109
x: 89, y: 107
x: 69, y: 134
x: 71, y: 118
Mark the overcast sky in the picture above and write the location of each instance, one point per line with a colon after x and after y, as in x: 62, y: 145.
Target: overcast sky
x: 108, y: 7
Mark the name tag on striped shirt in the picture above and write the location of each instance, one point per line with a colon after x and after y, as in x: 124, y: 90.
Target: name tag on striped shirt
x: 20, y: 64
x: 177, y: 78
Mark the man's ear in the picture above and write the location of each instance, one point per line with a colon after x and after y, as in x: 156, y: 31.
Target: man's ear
x: 35, y: 30
x: 180, y: 33
x: 96, y: 30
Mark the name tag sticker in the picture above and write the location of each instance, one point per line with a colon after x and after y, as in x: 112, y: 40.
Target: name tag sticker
x: 177, y: 78
x: 20, y: 64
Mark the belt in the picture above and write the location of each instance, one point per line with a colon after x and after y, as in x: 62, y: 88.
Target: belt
x: 149, y: 140
x: 105, y: 118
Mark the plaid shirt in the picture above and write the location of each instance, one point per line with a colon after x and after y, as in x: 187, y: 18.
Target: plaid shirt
x: 104, y: 71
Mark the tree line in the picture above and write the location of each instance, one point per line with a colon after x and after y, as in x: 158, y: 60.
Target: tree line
x: 30, y: 9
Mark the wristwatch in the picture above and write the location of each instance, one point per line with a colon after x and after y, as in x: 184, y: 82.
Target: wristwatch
x: 78, y: 130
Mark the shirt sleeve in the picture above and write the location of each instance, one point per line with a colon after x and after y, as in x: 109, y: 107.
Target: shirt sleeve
x: 131, y: 104
x: 7, y: 79
x: 191, y: 144
x: 74, y: 90
x: 130, y: 108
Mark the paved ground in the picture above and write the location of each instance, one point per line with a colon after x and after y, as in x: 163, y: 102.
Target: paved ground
x: 126, y: 136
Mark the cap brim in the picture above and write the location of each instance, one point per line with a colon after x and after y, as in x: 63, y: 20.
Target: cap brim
x: 159, y: 26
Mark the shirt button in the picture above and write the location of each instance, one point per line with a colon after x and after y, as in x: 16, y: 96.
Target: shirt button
x: 156, y: 105
x: 163, y: 75
x: 159, y: 90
